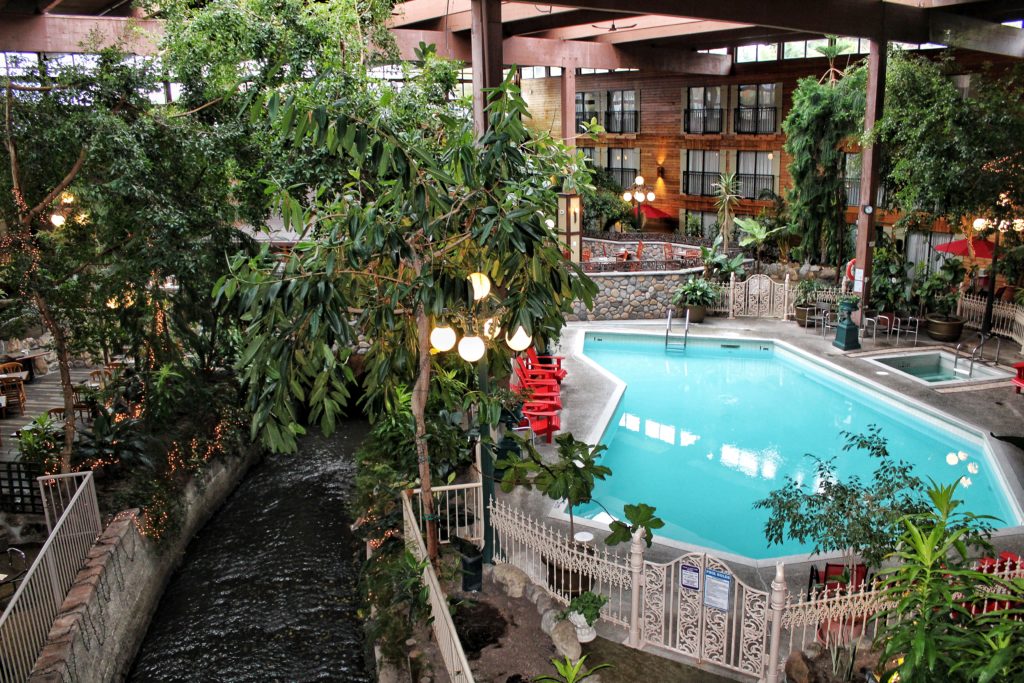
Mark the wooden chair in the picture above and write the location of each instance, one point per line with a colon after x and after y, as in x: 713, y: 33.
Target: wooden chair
x: 82, y: 406
x: 13, y: 390
x: 56, y: 414
x: 11, y: 368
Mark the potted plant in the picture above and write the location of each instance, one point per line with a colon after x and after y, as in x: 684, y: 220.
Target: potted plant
x: 888, y: 281
x: 696, y: 294
x: 584, y: 610
x: 805, y: 299
x: 848, y: 303
x: 939, y: 293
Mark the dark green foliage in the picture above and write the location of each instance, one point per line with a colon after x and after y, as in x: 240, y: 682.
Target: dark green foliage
x: 589, y: 605
x: 854, y: 516
x: 949, y: 155
x: 603, y: 205
x: 888, y: 277
x: 825, y: 115
x: 696, y: 291
x: 392, y: 584
x: 938, y: 293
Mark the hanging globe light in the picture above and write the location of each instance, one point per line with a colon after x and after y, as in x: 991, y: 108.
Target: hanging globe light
x: 481, y: 285
x: 471, y: 349
x: 519, y: 341
x: 57, y: 220
x: 980, y: 223
x: 442, y: 338
x: 650, y: 196
x: 639, y: 180
x: 627, y: 196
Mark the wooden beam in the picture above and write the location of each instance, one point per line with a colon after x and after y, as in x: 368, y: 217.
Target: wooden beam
x: 864, y: 18
x: 976, y: 34
x: 511, y: 13
x: 567, y: 95
x: 602, y: 27
x: 69, y: 33
x: 486, y: 44
x: 549, y: 22
x: 869, y: 170
x: 525, y: 51
x: 668, y: 30
x: 48, y: 6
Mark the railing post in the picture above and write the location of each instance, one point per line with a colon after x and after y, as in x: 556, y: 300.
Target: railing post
x: 636, y: 581
x: 785, y: 299
x: 777, y: 604
x: 732, y: 295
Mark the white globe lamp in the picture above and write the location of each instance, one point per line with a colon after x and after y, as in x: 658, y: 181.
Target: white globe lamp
x: 519, y: 341
x: 471, y: 349
x: 442, y: 338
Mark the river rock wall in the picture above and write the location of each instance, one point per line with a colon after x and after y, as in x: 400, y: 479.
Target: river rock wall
x: 631, y: 296
x: 106, y: 613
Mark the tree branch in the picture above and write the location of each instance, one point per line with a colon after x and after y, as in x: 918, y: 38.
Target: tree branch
x: 55, y: 192
x: 201, y: 107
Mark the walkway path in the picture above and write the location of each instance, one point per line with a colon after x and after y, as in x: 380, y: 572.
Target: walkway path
x: 42, y: 393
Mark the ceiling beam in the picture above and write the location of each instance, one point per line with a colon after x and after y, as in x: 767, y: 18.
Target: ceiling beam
x: 510, y: 13
x: 670, y: 31
x: 976, y: 34
x: 603, y: 26
x: 863, y: 18
x: 48, y: 6
x: 69, y: 33
x: 549, y: 22
x: 525, y: 51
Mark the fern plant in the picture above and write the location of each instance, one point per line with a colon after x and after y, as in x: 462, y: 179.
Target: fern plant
x: 568, y: 672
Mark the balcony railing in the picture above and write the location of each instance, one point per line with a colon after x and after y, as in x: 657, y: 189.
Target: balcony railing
x: 852, y: 191
x: 755, y: 120
x: 700, y: 183
x: 751, y: 185
x: 623, y: 176
x: 622, y: 121
x: 702, y: 121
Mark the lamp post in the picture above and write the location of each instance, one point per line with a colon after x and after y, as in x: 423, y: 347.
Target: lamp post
x: 472, y: 348
x: 982, y: 225
x: 639, y: 194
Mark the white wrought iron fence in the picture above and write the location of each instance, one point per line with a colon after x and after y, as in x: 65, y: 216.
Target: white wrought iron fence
x: 459, y: 509
x: 1007, y: 318
x: 563, y: 566
x: 26, y: 621
x: 443, y: 627
x: 762, y: 297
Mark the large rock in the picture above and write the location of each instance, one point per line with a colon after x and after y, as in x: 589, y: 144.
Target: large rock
x: 544, y: 603
x: 549, y: 619
x: 512, y: 578
x: 563, y: 635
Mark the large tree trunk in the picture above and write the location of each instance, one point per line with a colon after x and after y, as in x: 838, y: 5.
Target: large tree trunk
x: 63, y: 361
x: 420, y: 393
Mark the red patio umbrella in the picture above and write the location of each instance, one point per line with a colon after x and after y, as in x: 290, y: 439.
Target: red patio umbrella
x: 982, y: 248
x: 654, y: 212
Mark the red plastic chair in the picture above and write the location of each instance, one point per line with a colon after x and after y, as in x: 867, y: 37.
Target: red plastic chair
x: 542, y: 422
x: 1018, y: 381
x: 532, y: 377
x: 551, y: 364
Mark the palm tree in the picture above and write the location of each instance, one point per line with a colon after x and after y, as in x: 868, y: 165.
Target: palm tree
x: 755, y: 234
x: 726, y: 198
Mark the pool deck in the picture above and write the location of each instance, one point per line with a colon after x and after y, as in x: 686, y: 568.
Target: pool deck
x: 588, y: 397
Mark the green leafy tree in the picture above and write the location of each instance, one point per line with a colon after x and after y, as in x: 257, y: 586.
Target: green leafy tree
x: 755, y: 234
x: 639, y: 516
x: 950, y: 155
x: 825, y: 116
x: 727, y: 198
x: 859, y: 518
x: 571, y: 477
x: 108, y: 197
x: 390, y: 250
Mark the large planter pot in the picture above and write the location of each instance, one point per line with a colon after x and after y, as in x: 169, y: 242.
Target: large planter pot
x: 943, y: 329
x: 584, y: 631
x: 697, y: 313
x: 801, y: 313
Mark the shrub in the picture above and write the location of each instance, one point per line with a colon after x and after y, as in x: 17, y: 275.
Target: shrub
x: 696, y: 292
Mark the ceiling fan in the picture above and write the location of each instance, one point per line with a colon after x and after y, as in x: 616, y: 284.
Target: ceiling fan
x: 613, y: 27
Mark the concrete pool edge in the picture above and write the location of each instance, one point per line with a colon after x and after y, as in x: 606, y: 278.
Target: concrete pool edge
x: 574, y: 338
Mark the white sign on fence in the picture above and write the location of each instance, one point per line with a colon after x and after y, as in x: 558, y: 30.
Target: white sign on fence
x: 689, y: 577
x: 716, y: 589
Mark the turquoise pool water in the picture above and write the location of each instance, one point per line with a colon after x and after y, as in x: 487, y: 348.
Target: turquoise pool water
x: 704, y: 433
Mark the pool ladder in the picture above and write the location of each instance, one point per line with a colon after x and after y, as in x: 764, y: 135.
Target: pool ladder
x: 668, y: 332
x: 977, y: 352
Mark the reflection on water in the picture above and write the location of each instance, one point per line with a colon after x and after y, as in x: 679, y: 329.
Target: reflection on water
x: 267, y: 591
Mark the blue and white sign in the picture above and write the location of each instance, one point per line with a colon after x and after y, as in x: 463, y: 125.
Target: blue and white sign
x: 689, y: 577
x: 716, y: 589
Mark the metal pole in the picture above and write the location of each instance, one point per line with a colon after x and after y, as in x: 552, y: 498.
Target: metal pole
x: 777, y: 604
x: 486, y: 471
x: 636, y: 568
x: 986, y: 324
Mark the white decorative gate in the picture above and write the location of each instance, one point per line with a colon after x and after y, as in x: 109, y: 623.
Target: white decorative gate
x: 759, y: 296
x: 697, y: 607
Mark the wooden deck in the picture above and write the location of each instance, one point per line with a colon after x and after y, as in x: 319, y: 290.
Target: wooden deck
x: 42, y: 393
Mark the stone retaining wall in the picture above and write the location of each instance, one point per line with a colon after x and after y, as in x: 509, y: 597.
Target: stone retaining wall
x: 107, y: 611
x: 631, y: 296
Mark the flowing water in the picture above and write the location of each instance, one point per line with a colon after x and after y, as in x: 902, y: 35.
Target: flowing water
x: 268, y: 588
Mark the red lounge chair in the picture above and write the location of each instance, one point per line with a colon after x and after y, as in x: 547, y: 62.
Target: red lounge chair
x: 551, y: 364
x: 542, y: 422
x: 533, y: 376
x: 1018, y: 381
